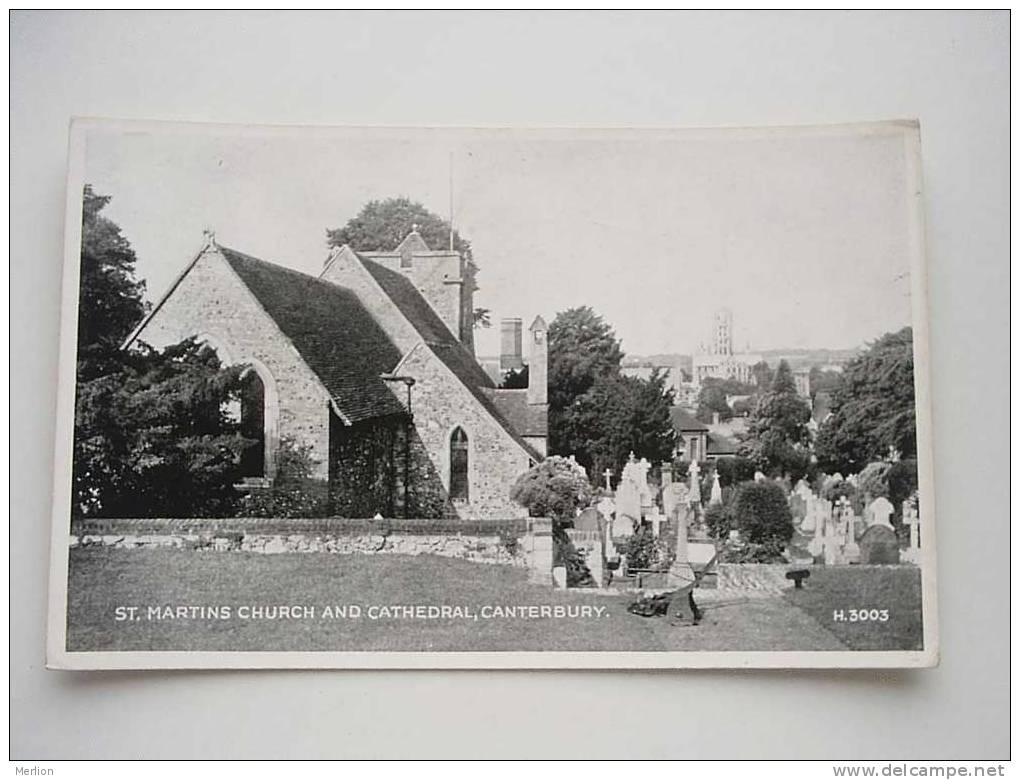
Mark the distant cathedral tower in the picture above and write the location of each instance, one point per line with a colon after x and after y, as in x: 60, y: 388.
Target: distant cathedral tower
x: 722, y: 342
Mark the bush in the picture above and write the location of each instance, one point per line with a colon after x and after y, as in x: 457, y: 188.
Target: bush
x: 734, y: 470
x: 718, y: 521
x: 902, y: 481
x: 294, y: 492
x: 557, y: 488
x: 762, y: 515
x: 568, y: 556
x: 740, y: 551
x: 644, y: 551
x: 872, y: 481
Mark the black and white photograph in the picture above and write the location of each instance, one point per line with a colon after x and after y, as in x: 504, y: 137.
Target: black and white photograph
x: 493, y: 398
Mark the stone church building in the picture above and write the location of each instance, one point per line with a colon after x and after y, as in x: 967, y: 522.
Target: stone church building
x: 371, y: 366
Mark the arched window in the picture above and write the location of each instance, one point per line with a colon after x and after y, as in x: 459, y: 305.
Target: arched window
x: 459, y: 465
x: 253, y: 424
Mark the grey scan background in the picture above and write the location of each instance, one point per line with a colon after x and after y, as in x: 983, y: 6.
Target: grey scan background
x: 950, y: 70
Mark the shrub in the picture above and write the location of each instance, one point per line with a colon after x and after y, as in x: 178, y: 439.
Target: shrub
x: 557, y: 488
x: 872, y: 481
x: 734, y: 470
x: 762, y: 514
x: 902, y: 481
x: 739, y: 551
x: 568, y: 556
x: 645, y: 551
x: 718, y: 520
x: 294, y: 492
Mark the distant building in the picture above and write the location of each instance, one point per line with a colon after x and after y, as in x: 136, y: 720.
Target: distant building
x: 697, y: 441
x: 717, y: 360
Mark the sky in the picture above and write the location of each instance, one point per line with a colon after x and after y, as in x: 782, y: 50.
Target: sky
x: 803, y: 233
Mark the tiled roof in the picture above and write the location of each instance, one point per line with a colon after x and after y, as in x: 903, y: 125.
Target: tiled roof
x: 334, y: 334
x: 682, y: 421
x: 527, y: 419
x: 443, y: 343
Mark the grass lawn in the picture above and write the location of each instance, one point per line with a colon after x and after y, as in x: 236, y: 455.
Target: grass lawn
x: 101, y: 580
x: 844, y: 588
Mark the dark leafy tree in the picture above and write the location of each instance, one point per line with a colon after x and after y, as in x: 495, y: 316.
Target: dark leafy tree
x: 382, y: 224
x: 778, y: 437
x: 618, y: 415
x: 712, y: 401
x: 762, y: 373
x: 824, y: 381
x: 733, y: 470
x: 153, y: 438
x: 151, y: 434
x: 110, y: 298
x: 582, y: 348
x: 873, y: 409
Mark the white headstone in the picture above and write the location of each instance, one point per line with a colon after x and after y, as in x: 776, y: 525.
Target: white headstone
x: 879, y: 511
x: 694, y: 496
x: 716, y: 496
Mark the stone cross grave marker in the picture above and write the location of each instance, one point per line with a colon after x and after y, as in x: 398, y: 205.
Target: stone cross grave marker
x: 912, y: 520
x: 694, y: 494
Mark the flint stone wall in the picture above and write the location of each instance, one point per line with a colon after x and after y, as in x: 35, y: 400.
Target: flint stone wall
x: 514, y: 542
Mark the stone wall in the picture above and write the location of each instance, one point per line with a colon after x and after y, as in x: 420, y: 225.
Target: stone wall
x: 513, y: 542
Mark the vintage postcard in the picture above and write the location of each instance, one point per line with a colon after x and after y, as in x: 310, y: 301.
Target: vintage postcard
x: 493, y: 398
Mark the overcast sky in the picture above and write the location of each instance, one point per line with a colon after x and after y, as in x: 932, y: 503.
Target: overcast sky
x: 803, y: 234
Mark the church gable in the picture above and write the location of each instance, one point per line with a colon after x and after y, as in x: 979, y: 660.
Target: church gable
x: 409, y: 320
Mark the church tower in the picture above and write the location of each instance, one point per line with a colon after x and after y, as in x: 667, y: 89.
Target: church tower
x: 538, y: 363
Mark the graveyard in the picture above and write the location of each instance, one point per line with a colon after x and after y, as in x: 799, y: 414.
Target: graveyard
x: 647, y: 564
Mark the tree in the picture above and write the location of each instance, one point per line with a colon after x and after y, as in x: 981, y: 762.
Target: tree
x: 110, y: 301
x: 595, y: 413
x: 762, y: 374
x: 778, y: 436
x: 824, y: 381
x: 381, y: 225
x: 873, y: 408
x: 711, y: 402
x: 151, y: 433
x: 582, y: 347
x: 152, y: 438
x: 619, y: 415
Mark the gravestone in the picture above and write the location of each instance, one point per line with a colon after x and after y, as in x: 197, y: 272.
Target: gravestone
x: 879, y: 511
x: 590, y: 520
x: 694, y: 490
x: 879, y: 546
x: 674, y: 495
x: 653, y: 517
x: 680, y: 572
x: 851, y: 550
x: 628, y: 508
x: 912, y: 520
x: 716, y: 495
x: 818, y: 509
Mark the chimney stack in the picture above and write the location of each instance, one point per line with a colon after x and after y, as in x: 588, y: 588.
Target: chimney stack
x: 538, y: 363
x: 511, y: 355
